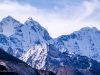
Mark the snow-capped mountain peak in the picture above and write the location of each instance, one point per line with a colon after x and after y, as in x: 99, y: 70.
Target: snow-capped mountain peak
x: 9, y: 26
x: 85, y: 42
x: 89, y: 29
x: 36, y: 27
x: 30, y: 19
x: 21, y: 37
x: 31, y: 22
x: 9, y: 18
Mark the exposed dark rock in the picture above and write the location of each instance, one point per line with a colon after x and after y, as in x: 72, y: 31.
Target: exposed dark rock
x: 8, y: 73
x: 43, y: 72
x: 4, y: 71
x: 5, y: 56
x: 95, y: 68
x: 2, y: 67
x: 66, y: 70
x: 9, y: 65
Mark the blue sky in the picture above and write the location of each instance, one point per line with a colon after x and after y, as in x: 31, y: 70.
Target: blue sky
x: 57, y: 16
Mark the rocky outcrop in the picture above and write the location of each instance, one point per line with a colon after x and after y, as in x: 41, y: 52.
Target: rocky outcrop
x: 48, y: 57
x: 18, y: 68
x: 9, y: 65
x: 67, y: 70
x: 44, y: 72
x: 4, y: 71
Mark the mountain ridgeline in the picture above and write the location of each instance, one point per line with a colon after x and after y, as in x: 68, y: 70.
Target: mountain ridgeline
x: 75, y: 54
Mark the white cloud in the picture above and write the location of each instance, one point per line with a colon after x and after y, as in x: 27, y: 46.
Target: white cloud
x: 58, y: 22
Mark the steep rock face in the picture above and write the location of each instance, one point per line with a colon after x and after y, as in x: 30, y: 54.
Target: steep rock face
x: 16, y: 38
x: 47, y: 57
x: 66, y: 70
x: 36, y: 56
x: 32, y: 33
x: 8, y: 57
x: 84, y: 42
x: 4, y: 71
x: 9, y: 65
x: 13, y: 64
x: 18, y: 68
x: 43, y: 72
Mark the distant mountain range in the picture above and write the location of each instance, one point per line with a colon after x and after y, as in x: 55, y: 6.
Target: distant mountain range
x: 71, y: 54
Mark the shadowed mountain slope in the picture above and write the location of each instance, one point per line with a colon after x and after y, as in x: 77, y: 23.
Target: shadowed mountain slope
x: 5, y: 56
x: 9, y: 65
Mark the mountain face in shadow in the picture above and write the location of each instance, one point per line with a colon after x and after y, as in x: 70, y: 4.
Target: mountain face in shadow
x: 8, y: 57
x: 9, y: 65
x: 4, y: 71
